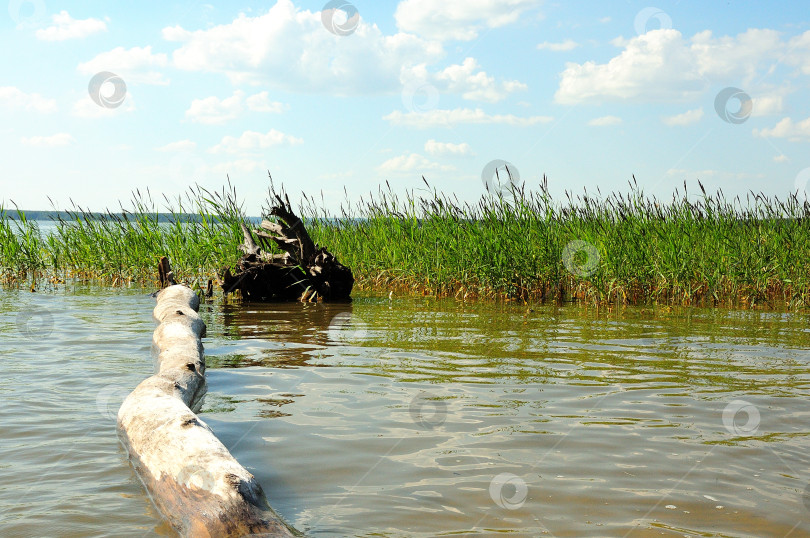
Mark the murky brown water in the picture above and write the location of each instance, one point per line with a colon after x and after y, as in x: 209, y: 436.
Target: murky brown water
x: 419, y: 417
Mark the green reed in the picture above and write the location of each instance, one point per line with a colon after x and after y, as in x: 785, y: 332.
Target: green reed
x: 125, y: 246
x: 629, y: 248
x: 520, y: 244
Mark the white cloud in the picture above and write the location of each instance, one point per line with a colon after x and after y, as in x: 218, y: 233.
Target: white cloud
x: 447, y: 148
x: 59, y: 139
x: 766, y: 105
x: 781, y: 158
x: 661, y: 65
x: 450, y: 118
x: 137, y: 64
x: 179, y: 146
x: 213, y: 110
x: 411, y: 163
x: 799, y: 52
x: 786, y: 128
x: 66, y: 27
x: 473, y: 84
x: 260, y: 102
x: 86, y: 108
x: 568, y: 44
x: 252, y: 140
x: 687, y: 118
x: 605, y: 121
x: 16, y: 99
x: 461, y: 20
x: 290, y: 49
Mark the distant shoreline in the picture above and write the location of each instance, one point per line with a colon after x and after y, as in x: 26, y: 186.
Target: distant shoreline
x: 40, y: 215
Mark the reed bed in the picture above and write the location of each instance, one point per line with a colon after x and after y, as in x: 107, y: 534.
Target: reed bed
x: 627, y: 248
x: 124, y: 247
x: 519, y: 245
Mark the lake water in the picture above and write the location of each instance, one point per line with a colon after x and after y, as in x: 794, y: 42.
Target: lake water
x: 418, y: 417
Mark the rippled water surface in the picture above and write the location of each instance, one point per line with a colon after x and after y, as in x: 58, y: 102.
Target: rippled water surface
x: 417, y: 417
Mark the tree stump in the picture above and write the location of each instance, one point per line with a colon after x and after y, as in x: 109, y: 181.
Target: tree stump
x: 304, y: 272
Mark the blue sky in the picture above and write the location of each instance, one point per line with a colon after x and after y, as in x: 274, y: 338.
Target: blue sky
x: 588, y: 93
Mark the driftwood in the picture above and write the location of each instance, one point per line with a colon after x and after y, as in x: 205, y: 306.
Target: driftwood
x: 303, y: 272
x: 190, y: 475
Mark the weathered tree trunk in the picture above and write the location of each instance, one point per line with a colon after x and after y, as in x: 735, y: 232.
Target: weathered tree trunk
x: 304, y: 272
x: 190, y: 475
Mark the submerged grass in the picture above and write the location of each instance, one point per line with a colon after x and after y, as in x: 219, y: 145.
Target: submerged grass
x: 626, y: 248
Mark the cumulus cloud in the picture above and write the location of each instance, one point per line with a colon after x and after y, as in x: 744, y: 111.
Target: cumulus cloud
x: 213, y: 110
x: 412, y: 163
x: 137, y: 64
x: 605, y: 121
x: 451, y: 118
x: 290, y: 49
x: 766, y: 105
x: 59, y: 139
x: 251, y: 141
x: 435, y: 148
x: 86, y: 108
x: 787, y: 128
x: 568, y: 44
x: 16, y: 99
x: 461, y: 20
x: 661, y: 65
x: 468, y: 80
x: 687, y: 118
x: 798, y: 52
x: 66, y: 27
x: 260, y: 102
x: 178, y: 146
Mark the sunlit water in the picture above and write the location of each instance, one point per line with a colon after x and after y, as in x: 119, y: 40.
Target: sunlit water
x: 417, y: 417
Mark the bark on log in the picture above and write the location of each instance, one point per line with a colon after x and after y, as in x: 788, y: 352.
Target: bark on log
x: 304, y: 272
x: 190, y: 475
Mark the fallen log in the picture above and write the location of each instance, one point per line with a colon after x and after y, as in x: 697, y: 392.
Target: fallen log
x: 304, y: 272
x: 191, y: 477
